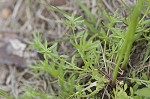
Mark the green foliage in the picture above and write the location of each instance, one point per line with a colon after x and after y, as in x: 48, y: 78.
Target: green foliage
x: 87, y: 11
x: 57, y: 65
x: 35, y: 94
x: 125, y: 50
x: 121, y: 93
x: 102, y: 49
x: 143, y: 92
x: 6, y: 95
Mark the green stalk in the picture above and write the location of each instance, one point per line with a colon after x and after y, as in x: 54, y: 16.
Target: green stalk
x: 125, y: 50
x: 131, y: 31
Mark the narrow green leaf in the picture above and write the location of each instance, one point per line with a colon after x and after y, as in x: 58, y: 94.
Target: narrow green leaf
x: 143, y: 92
x: 87, y: 11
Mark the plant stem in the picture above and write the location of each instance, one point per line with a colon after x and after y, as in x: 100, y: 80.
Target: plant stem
x: 125, y: 50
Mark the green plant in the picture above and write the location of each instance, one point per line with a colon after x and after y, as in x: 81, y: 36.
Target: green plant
x: 125, y: 50
x: 121, y: 92
x: 35, y: 94
x: 102, y: 49
x: 6, y: 95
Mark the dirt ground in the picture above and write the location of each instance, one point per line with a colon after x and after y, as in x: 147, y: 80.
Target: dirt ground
x: 19, y: 19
